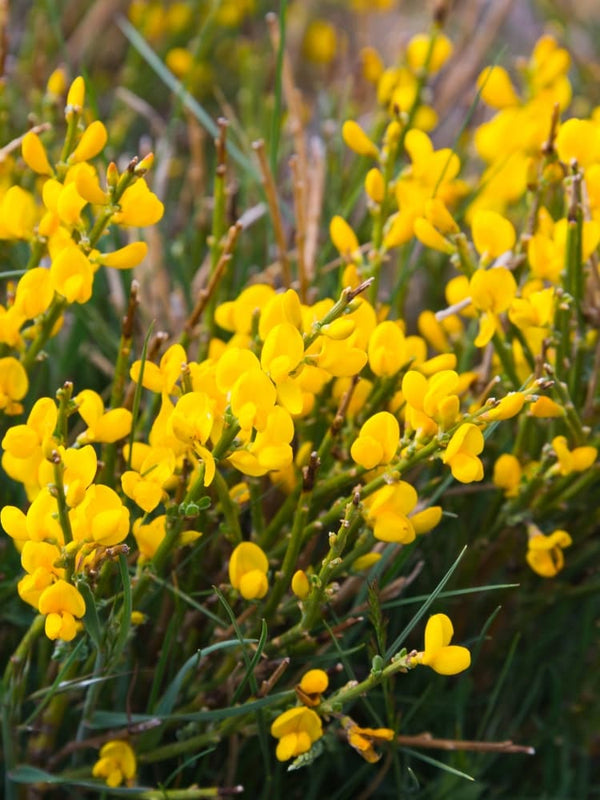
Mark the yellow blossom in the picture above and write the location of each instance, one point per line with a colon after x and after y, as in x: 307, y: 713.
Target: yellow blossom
x: 462, y: 451
x: 439, y: 654
x: 145, y: 487
x: 422, y: 52
x: 100, y: 518
x: 13, y: 385
x: 492, y: 292
x: 545, y: 553
x: 357, y: 140
x: 162, y: 377
x: 577, y: 460
x: 545, y: 408
x: 116, y: 764
x: 149, y: 537
x: 377, y: 441
x: 320, y: 42
x: 493, y: 234
x: 507, y: 474
x: 125, y: 258
x: 103, y: 426
x: 297, y: 729
x: 92, y: 141
x: 387, y: 512
x: 343, y: 237
x: 248, y: 567
x: 311, y: 687
x: 300, y: 584
x: 63, y: 606
x: 496, y: 87
x: 363, y: 739
x: 139, y: 206
x: 34, y: 154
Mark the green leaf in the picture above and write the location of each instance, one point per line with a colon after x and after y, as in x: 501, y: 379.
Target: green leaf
x: 25, y: 773
x: 126, y: 609
x: 91, y: 620
x: 423, y: 610
x: 440, y: 764
x: 115, y: 719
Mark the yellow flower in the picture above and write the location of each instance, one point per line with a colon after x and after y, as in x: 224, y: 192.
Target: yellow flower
x: 92, y: 141
x: 358, y: 141
x: 546, y: 408
x: 577, y: 460
x: 420, y: 46
x: 300, y: 584
x: 496, y: 88
x: 34, y: 292
x: 63, y: 606
x: 161, y: 378
x: 311, y: 687
x: 34, y: 154
x: 145, y: 486
x: 320, y: 42
x: 377, y: 441
x: 344, y: 238
x: 248, y: 567
x: 462, y: 451
x: 13, y: 385
x: 139, y: 206
x: 103, y: 426
x: 297, y: 730
x: 387, y: 511
x: 79, y: 470
x: 506, y: 408
x: 116, y: 764
x: 507, y: 474
x: 39, y: 560
x: 72, y: 275
x: 125, y: 257
x: 150, y: 536
x: 363, y: 739
x: 579, y: 140
x: 493, y: 234
x: 270, y: 449
x: 439, y: 654
x: 375, y: 185
x: 100, y: 518
x: 545, y: 553
x: 492, y: 292
x: 387, y: 352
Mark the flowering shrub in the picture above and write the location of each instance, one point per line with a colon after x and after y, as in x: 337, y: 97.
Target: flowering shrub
x: 225, y: 509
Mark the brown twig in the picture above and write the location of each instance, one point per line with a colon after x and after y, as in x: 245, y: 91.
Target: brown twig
x: 426, y: 740
x: 270, y: 682
x: 298, y: 187
x: 205, y: 294
x: 316, y: 187
x: 271, y: 193
x: 98, y: 741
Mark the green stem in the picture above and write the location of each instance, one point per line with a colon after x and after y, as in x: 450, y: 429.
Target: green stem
x: 46, y: 326
x: 10, y: 695
x: 353, y: 691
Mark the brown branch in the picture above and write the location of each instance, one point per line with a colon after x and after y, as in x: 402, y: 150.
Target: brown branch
x: 298, y: 187
x: 426, y: 740
x: 205, y: 294
x: 271, y: 193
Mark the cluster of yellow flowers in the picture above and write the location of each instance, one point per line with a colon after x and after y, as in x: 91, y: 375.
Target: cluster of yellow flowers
x: 317, y: 398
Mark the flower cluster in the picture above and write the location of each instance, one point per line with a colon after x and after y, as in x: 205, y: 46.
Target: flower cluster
x: 250, y: 475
